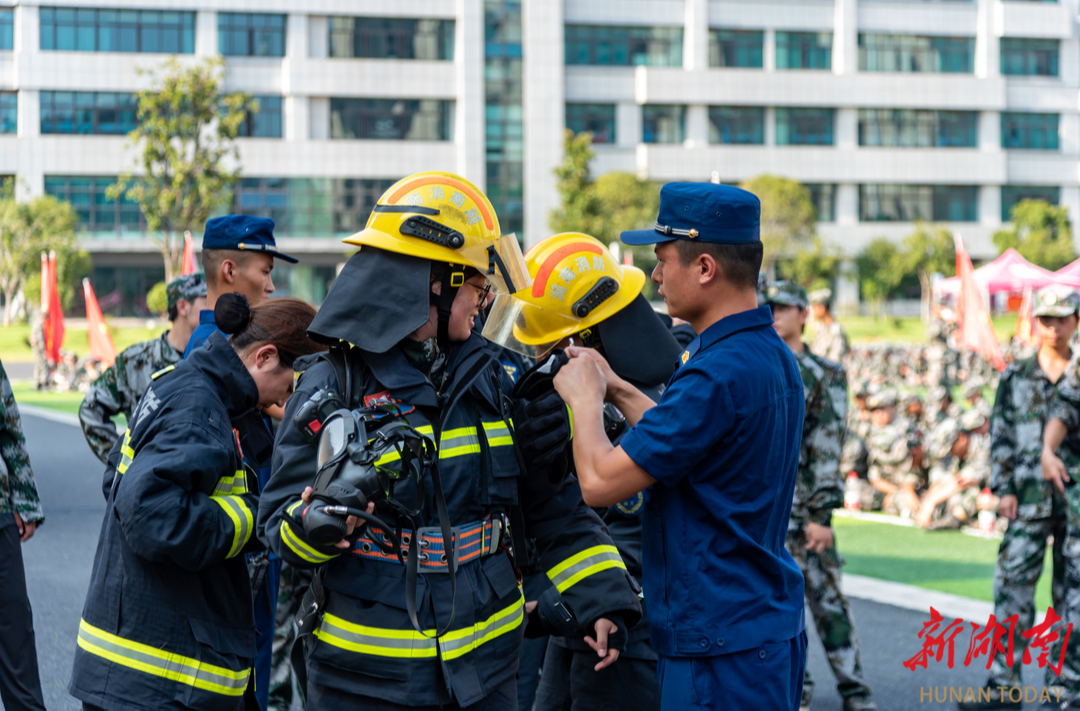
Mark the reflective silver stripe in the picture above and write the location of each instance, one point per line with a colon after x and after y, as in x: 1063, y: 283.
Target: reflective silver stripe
x: 231, y: 485
x: 498, y: 434
x: 243, y: 521
x: 376, y: 641
x: 460, y: 642
x: 588, y: 562
x: 151, y: 660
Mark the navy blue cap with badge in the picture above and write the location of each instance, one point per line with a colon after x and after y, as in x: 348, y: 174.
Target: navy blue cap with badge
x: 244, y: 234
x: 703, y: 212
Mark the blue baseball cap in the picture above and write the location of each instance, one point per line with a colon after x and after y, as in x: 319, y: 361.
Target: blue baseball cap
x: 243, y: 234
x: 703, y: 212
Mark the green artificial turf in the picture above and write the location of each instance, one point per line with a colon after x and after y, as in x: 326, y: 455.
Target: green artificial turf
x: 948, y: 561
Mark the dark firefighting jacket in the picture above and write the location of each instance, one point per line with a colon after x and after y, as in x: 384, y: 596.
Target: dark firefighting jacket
x: 168, y: 619
x: 365, y: 643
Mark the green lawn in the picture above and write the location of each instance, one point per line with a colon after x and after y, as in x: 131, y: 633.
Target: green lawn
x: 948, y: 561
x: 910, y: 330
x: 27, y: 394
x: 15, y: 341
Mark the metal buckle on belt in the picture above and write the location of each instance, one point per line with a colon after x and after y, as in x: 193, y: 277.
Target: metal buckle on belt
x: 424, y: 557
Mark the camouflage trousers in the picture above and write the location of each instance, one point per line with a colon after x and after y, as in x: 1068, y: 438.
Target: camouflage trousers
x: 832, y: 618
x: 1019, y: 565
x: 1069, y: 680
x: 294, y: 583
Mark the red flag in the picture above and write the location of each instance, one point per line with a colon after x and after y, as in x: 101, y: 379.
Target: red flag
x: 54, y: 326
x: 101, y: 343
x: 44, y: 283
x: 976, y: 330
x: 189, y: 265
x: 1025, y: 322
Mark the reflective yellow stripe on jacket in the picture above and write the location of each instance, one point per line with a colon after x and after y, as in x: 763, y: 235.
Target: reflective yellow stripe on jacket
x: 151, y: 660
x: 243, y: 521
x: 458, y: 643
x: 234, y: 485
x: 461, y: 441
x: 126, y: 453
x: 588, y: 562
x: 297, y: 544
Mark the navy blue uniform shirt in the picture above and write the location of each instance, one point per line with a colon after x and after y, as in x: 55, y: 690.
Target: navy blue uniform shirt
x: 207, y: 325
x: 723, y: 446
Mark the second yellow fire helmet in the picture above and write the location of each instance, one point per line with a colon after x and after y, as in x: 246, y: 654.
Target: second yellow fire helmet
x: 576, y: 284
x: 445, y: 218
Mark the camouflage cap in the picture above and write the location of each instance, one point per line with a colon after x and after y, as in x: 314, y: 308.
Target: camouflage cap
x: 973, y: 419
x: 820, y: 296
x: 971, y: 388
x: 885, y: 398
x: 938, y: 393
x: 188, y: 288
x: 910, y: 398
x: 942, y: 438
x: 787, y: 293
x: 1057, y: 301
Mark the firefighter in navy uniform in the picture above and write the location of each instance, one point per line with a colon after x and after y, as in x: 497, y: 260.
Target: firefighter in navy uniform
x: 168, y: 620
x: 400, y: 319
x: 601, y: 308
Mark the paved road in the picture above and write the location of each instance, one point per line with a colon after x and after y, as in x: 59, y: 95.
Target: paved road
x: 59, y: 558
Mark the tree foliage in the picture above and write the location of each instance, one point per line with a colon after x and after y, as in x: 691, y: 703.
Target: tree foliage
x: 815, y: 266
x: 26, y: 230
x: 1040, y: 232
x: 157, y: 299
x: 186, y: 133
x: 788, y: 217
x: 880, y: 267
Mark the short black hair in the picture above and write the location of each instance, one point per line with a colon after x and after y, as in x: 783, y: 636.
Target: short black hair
x: 212, y: 260
x: 741, y: 263
x: 173, y: 313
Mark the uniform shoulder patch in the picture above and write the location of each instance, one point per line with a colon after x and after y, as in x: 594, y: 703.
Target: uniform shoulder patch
x: 632, y: 506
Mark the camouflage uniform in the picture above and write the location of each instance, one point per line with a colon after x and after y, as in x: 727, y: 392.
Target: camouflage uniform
x: 20, y: 492
x: 37, y: 346
x: 119, y: 388
x: 830, y: 342
x: 888, y: 454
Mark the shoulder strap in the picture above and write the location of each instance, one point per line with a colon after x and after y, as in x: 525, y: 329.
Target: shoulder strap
x: 338, y: 358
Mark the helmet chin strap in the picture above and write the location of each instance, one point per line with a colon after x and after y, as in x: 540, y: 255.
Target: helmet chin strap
x: 453, y: 279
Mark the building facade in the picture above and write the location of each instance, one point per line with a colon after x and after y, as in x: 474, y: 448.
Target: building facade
x: 890, y: 110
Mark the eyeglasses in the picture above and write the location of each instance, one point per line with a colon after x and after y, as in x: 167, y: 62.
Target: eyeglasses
x: 484, y: 291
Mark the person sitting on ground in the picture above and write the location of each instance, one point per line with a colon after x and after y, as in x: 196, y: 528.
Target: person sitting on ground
x: 894, y: 458
x: 959, y: 474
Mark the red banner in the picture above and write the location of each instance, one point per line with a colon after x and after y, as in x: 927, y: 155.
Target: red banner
x: 976, y: 330
x: 101, y: 343
x: 53, y: 315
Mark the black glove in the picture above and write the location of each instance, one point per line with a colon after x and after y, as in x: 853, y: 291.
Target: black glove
x: 542, y: 427
x: 552, y: 617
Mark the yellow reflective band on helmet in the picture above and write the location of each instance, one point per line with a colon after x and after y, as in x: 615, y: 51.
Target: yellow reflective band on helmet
x: 126, y: 453
x: 588, y: 562
x: 243, y: 522
x: 460, y: 642
x: 161, y: 372
x: 232, y: 485
x: 158, y: 662
x: 404, y: 644
x: 297, y: 545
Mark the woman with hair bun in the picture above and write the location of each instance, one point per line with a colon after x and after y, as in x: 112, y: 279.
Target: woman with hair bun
x: 168, y: 617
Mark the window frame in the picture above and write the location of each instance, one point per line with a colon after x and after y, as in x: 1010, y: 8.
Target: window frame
x: 273, y: 36
x: 916, y: 128
x: 355, y: 37
x: 657, y: 109
x: 657, y: 45
x: 745, y: 47
x: 86, y: 102
x: 362, y: 111
x: 127, y: 31
x: 913, y: 54
x: 804, y: 49
x: 593, y: 114
x: 738, y: 118
x: 804, y: 115
x: 933, y: 197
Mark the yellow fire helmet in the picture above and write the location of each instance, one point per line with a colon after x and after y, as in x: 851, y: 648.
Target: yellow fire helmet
x: 445, y: 218
x: 577, y: 283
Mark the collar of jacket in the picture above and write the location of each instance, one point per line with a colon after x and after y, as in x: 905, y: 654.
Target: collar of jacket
x: 394, y: 372
x: 221, y: 364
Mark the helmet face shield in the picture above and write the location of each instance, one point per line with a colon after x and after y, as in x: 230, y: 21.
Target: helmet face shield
x: 501, y: 262
x: 523, y: 328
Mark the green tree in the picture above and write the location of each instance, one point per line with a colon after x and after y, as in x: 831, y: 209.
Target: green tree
x: 186, y: 132
x: 157, y: 299
x: 816, y: 266
x: 26, y: 230
x: 926, y: 251
x: 788, y: 217
x: 577, y: 204
x: 880, y: 269
x: 624, y: 202
x: 1040, y: 232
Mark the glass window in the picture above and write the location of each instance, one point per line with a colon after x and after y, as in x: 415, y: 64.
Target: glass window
x: 390, y: 119
x: 1029, y: 57
x: 737, y: 124
x: 804, y: 50
x: 736, y: 48
x: 89, y: 30
x: 391, y: 38
x: 598, y: 118
x: 249, y: 34
x: 7, y: 29
x: 98, y: 215
x: 823, y: 195
x: 624, y: 46
x: 912, y: 128
x: 266, y: 122
x: 1012, y: 194
x: 503, y: 105
x: 663, y: 123
x: 914, y: 53
x: 908, y: 203
x: 310, y: 207
x: 1037, y: 132
x: 9, y: 112
x: 804, y: 127
x: 88, y: 112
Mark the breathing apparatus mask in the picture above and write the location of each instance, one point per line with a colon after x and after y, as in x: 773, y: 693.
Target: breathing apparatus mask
x: 363, y: 456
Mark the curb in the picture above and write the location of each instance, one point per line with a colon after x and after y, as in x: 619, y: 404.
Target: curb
x: 45, y: 413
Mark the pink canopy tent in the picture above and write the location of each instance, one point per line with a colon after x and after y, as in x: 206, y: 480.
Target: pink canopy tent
x: 1012, y: 273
